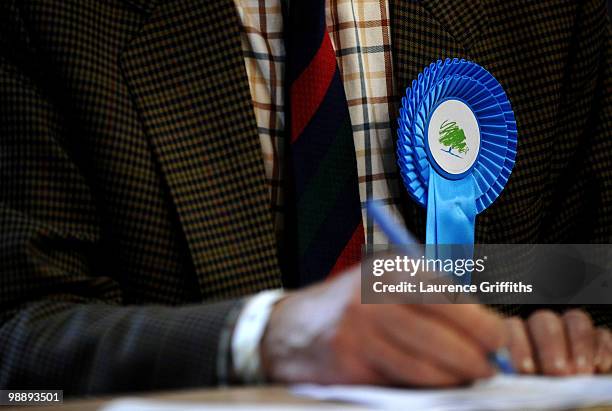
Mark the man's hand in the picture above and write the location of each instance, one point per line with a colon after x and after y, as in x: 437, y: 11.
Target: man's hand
x: 554, y: 344
x: 324, y: 334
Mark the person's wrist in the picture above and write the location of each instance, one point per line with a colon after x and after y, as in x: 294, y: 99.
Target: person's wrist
x: 266, y: 357
x: 296, y: 338
x: 248, y: 333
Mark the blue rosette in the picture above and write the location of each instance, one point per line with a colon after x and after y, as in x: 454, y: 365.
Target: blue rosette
x: 457, y: 142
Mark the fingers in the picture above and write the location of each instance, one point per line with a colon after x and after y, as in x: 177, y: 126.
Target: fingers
x: 435, y: 341
x: 603, y: 351
x: 581, y: 337
x: 520, y: 346
x: 402, y: 367
x: 477, y: 322
x: 549, y: 342
x: 357, y: 370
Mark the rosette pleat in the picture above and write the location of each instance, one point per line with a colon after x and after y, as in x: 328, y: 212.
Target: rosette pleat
x: 481, y: 92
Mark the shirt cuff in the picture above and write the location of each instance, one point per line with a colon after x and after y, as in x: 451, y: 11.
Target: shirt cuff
x: 246, y: 338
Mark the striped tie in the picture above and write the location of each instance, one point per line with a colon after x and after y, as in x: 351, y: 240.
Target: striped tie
x: 324, y: 210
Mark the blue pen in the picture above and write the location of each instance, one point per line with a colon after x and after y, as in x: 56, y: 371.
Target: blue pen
x: 501, y: 360
x: 398, y: 235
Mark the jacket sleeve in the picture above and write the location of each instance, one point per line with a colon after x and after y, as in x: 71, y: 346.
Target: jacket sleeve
x: 583, y: 165
x: 598, y: 165
x: 599, y: 130
x: 61, y: 325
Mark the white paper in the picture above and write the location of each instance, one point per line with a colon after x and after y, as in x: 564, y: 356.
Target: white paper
x: 501, y: 393
x: 128, y: 404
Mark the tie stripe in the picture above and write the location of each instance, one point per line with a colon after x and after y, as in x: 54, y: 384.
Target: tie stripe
x: 326, y: 205
x: 352, y: 251
x: 319, y: 134
x: 310, y: 88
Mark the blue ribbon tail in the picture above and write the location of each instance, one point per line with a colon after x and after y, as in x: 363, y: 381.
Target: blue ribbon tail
x: 451, y: 216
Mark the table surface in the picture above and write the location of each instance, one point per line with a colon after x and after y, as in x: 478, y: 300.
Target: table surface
x: 263, y: 395
x: 255, y: 395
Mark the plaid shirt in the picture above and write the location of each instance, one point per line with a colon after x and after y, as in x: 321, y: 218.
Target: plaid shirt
x: 360, y: 34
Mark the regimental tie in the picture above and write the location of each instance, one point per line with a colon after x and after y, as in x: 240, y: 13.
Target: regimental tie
x: 324, y: 222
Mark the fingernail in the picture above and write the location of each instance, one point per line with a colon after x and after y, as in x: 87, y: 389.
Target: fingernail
x: 560, y: 364
x: 581, y: 363
x: 597, y: 360
x: 552, y: 327
x: 527, y: 365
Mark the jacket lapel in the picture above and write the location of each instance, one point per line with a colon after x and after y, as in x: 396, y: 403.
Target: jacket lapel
x: 186, y: 72
x: 464, y: 20
x: 426, y: 30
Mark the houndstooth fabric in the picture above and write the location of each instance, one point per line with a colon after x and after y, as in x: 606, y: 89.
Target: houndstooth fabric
x: 554, y: 60
x: 132, y: 182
